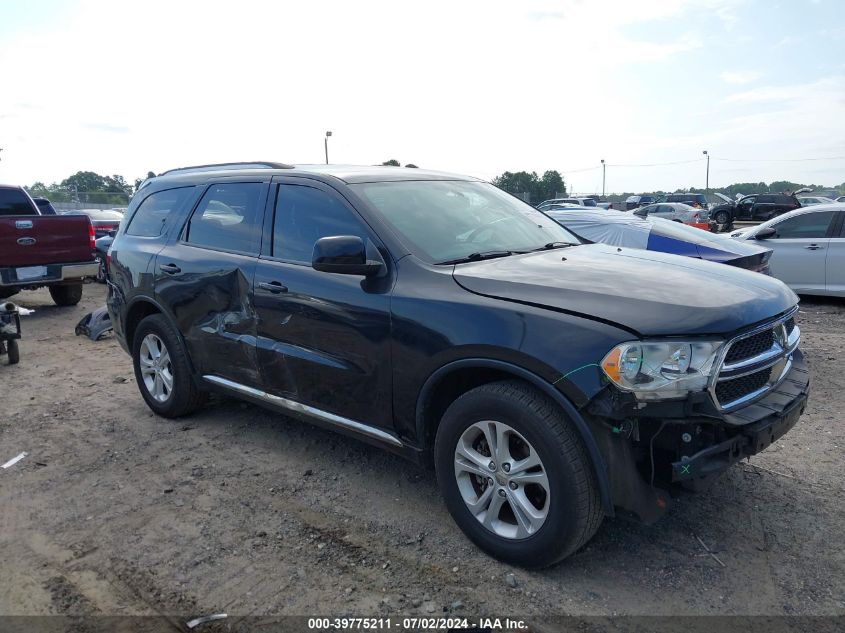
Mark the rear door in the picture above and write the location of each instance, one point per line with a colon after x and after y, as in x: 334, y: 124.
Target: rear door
x: 835, y: 263
x: 800, y: 250
x: 203, y: 277
x: 323, y: 338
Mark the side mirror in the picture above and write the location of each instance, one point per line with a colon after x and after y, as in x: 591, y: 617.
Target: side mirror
x: 344, y: 254
x: 764, y: 234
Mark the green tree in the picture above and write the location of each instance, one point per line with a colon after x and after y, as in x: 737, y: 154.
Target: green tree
x: 392, y: 163
x: 411, y: 165
x: 551, y: 185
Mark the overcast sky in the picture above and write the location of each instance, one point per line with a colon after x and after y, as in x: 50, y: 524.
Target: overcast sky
x: 464, y: 86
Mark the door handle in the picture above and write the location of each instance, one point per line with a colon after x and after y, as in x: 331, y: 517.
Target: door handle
x: 170, y: 269
x: 273, y: 286
x: 813, y: 247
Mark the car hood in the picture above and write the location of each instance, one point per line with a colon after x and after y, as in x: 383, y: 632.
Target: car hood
x: 647, y: 293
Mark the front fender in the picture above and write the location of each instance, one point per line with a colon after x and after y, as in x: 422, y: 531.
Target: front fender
x: 597, y: 460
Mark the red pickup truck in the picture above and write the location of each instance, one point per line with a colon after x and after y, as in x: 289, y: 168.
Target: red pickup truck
x: 37, y: 250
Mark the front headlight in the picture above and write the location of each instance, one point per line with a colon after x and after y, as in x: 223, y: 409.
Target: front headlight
x: 661, y: 370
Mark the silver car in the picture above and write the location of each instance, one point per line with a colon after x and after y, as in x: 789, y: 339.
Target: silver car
x: 675, y: 211
x: 808, y: 247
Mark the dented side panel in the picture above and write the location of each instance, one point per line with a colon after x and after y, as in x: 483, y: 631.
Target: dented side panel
x: 210, y: 299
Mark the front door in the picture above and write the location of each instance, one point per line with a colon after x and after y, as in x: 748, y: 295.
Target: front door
x: 835, y: 263
x: 204, y: 277
x: 800, y: 250
x: 322, y: 338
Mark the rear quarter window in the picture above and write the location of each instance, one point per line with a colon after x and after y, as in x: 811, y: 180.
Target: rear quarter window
x: 14, y: 201
x: 150, y: 218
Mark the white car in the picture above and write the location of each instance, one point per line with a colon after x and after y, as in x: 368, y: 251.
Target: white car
x: 581, y: 202
x: 808, y: 247
x: 808, y: 201
x: 675, y: 211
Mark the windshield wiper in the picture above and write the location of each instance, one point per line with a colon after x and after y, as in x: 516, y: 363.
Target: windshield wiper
x: 477, y: 257
x: 551, y: 245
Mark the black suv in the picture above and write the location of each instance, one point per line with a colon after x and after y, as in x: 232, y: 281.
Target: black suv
x: 758, y: 206
x: 446, y: 320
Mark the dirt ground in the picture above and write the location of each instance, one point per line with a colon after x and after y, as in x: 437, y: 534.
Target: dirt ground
x: 115, y: 511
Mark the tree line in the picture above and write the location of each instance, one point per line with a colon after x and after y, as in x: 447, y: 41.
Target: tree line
x: 88, y: 186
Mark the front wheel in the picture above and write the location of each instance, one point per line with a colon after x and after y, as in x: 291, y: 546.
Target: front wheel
x: 721, y: 217
x: 515, y: 476
x: 66, y: 295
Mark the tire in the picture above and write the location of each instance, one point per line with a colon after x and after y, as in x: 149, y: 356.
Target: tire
x: 66, y: 295
x: 14, y: 352
x: 182, y: 396
x: 721, y: 217
x: 5, y: 293
x: 101, y: 270
x: 571, y: 506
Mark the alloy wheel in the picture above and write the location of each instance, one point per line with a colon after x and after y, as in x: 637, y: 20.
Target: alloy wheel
x: 156, y: 368
x: 502, y: 480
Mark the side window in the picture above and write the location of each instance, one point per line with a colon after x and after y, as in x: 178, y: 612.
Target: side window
x: 228, y: 218
x: 150, y: 218
x: 304, y: 215
x: 766, y: 199
x: 807, y: 225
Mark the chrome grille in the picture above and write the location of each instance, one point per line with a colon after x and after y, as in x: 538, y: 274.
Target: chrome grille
x: 750, y: 347
x: 755, y: 362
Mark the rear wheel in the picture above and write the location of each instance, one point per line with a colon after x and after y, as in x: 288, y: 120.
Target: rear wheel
x: 515, y: 476
x: 14, y: 352
x: 7, y: 292
x: 66, y: 295
x: 162, y: 369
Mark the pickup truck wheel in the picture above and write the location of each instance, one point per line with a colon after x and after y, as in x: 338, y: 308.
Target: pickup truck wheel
x: 721, y: 217
x: 66, y: 295
x: 162, y: 370
x: 515, y: 476
x: 101, y: 269
x: 5, y: 293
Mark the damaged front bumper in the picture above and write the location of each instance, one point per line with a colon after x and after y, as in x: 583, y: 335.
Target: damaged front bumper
x: 656, y: 449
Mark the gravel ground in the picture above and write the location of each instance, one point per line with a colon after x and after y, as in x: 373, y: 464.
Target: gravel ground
x: 115, y: 511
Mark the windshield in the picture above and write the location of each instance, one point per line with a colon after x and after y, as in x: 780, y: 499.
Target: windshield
x: 446, y: 220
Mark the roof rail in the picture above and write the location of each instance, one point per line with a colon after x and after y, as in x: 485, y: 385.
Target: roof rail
x: 222, y: 166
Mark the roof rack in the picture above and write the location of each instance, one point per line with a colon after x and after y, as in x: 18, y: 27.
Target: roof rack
x: 223, y: 166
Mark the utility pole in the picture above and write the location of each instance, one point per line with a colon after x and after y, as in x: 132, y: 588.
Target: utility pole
x: 326, y: 141
x: 603, y: 168
x: 707, y: 181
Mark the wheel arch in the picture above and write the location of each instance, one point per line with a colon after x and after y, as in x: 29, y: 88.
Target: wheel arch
x: 141, y: 308
x: 457, y: 377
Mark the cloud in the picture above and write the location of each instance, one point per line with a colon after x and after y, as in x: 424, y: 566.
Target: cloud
x: 106, y: 127
x: 739, y: 77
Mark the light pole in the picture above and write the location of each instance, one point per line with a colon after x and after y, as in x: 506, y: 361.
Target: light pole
x: 603, y: 168
x: 326, y: 141
x: 707, y: 181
